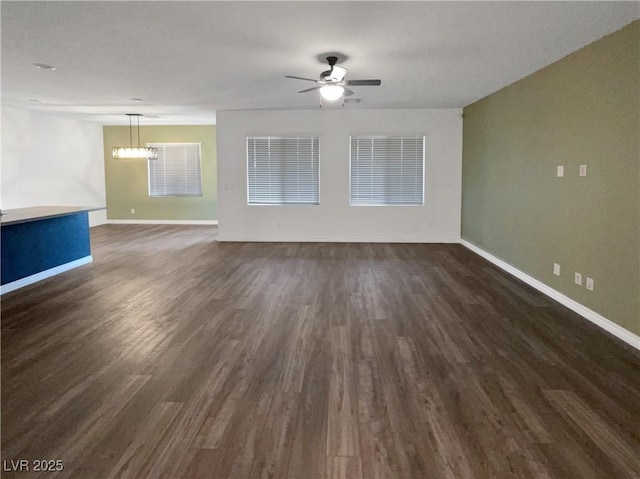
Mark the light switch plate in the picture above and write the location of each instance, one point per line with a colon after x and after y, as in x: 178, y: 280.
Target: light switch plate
x: 556, y: 269
x: 577, y: 277
x: 560, y: 170
x: 583, y: 170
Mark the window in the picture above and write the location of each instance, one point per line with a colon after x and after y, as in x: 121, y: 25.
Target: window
x: 282, y: 170
x: 387, y: 170
x: 176, y: 172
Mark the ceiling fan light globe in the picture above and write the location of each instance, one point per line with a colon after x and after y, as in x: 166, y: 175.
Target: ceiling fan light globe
x: 331, y: 92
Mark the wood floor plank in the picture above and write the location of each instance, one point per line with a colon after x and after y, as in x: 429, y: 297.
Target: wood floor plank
x: 175, y: 356
x: 308, y: 454
x: 95, y: 425
x: 377, y: 446
x: 144, y: 443
x: 342, y: 420
x: 617, y: 450
x: 175, y: 450
x: 341, y: 467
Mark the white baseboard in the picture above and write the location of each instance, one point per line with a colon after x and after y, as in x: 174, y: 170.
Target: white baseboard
x: 162, y: 222
x: 330, y: 239
x: 34, y: 278
x: 599, y: 320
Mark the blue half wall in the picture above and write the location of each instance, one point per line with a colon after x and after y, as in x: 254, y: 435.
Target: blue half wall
x: 35, y: 246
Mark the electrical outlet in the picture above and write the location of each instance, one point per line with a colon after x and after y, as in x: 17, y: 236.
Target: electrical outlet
x: 556, y: 269
x: 583, y: 170
x: 589, y: 284
x: 577, y: 277
x: 133, y: 211
x: 560, y: 170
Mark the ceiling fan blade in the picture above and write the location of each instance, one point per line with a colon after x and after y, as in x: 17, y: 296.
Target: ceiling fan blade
x: 337, y: 73
x: 363, y: 82
x: 347, y: 92
x: 301, y: 78
x: 310, y: 89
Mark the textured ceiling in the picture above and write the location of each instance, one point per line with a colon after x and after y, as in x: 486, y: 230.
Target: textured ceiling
x: 188, y: 59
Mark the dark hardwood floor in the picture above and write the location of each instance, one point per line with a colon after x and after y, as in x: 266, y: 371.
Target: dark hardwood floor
x: 174, y: 356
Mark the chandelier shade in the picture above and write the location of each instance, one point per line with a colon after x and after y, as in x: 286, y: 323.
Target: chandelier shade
x: 134, y: 152
x: 128, y: 152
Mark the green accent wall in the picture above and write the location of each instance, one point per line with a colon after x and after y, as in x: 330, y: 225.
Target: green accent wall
x: 583, y: 109
x: 127, y: 180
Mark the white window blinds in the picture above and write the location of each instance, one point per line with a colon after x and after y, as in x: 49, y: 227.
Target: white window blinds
x: 176, y: 172
x: 387, y: 170
x: 282, y: 170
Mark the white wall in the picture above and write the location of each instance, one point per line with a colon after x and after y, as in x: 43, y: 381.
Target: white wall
x: 51, y: 161
x: 333, y: 219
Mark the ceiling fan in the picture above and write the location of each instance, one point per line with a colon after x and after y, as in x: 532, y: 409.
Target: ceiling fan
x: 332, y: 84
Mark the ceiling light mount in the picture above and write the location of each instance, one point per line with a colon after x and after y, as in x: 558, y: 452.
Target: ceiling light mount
x: 44, y: 66
x: 133, y: 152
